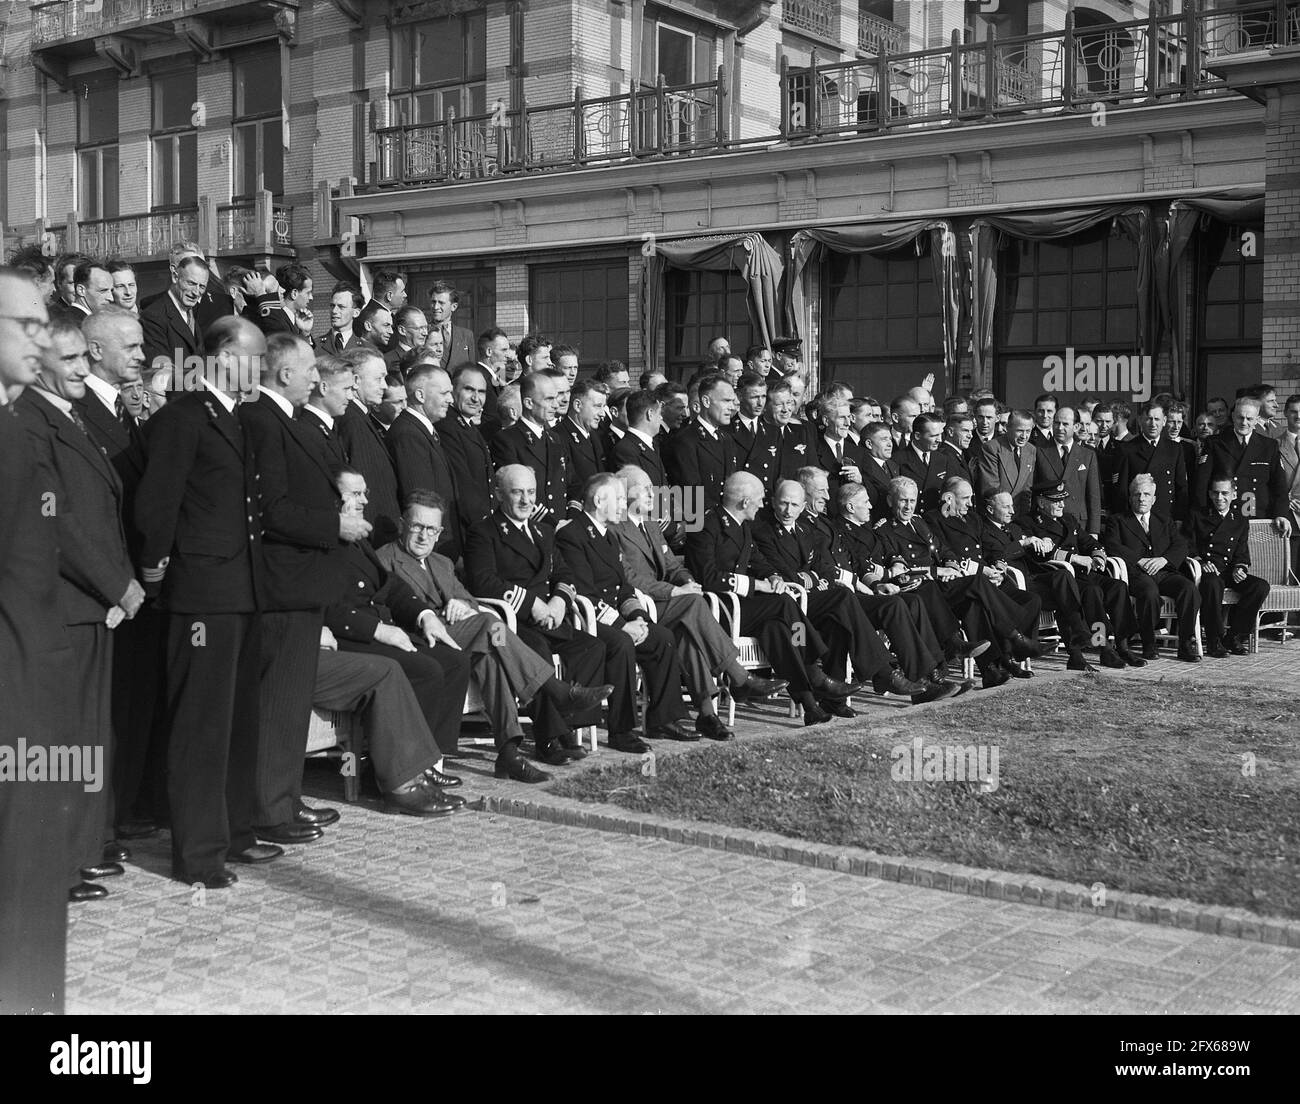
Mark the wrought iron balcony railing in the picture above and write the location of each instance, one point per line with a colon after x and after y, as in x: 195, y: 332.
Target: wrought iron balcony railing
x: 65, y: 20
x: 878, y: 36
x: 254, y: 227
x: 821, y: 17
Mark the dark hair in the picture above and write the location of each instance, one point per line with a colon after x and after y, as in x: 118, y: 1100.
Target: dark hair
x: 607, y: 369
x: 384, y: 281
x: 81, y: 274
x: 368, y: 312
x: 404, y: 315
x: 488, y: 336
x: 351, y: 289
x: 668, y: 389
x: 710, y: 383
x: 475, y: 368
x: 119, y: 266
x: 430, y: 500
x: 558, y: 351
x: 750, y: 379
x: 530, y: 343
x: 1048, y: 396
x: 439, y: 286
x: 64, y: 259
x: 639, y: 404
x: 30, y: 260
x: 753, y: 351
x: 584, y: 387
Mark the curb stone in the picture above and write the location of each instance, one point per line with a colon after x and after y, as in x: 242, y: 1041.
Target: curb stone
x: 949, y: 877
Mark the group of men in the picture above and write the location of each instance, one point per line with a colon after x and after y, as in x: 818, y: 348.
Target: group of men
x: 365, y: 521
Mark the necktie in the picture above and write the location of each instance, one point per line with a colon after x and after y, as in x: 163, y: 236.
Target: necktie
x: 338, y: 343
x: 527, y: 535
x: 119, y: 409
x: 436, y: 439
x: 1065, y: 451
x: 839, y: 451
x: 1143, y: 520
x: 1016, y: 450
x: 77, y: 419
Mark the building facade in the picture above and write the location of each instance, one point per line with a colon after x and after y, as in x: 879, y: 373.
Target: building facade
x: 965, y: 188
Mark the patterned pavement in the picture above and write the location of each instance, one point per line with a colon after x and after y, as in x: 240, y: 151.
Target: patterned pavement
x: 486, y: 913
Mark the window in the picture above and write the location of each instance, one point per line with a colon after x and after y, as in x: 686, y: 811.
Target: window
x: 702, y: 306
x: 1078, y: 293
x: 258, y: 124
x: 583, y: 305
x: 175, y: 141
x: 440, y: 65
x: 97, y: 162
x: 881, y: 322
x: 1230, y: 309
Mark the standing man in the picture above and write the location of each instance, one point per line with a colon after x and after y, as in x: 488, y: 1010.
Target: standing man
x: 171, y: 330
x: 362, y: 437
x: 466, y: 448
x: 1008, y: 464
x: 923, y: 462
x: 1070, y: 464
x: 1159, y: 457
x: 345, y: 305
x: 758, y: 442
x: 330, y: 397
x: 1288, y: 448
x: 1254, y: 461
x: 410, y: 329
x: 705, y: 454
x: 416, y: 447
x: 197, y: 509
x: 124, y: 289
x: 1044, y: 413
x: 375, y: 323
x: 493, y: 351
x: 586, y: 412
x: 287, y: 310
x: 458, y: 344
x: 531, y: 442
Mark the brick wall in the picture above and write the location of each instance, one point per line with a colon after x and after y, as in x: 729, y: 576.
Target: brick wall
x: 512, y: 299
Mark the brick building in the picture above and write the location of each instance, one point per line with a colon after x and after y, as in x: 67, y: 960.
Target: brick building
x: 965, y: 188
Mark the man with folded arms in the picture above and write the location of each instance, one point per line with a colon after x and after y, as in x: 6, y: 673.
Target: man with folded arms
x: 505, y: 667
x: 707, y: 651
x: 1220, y: 537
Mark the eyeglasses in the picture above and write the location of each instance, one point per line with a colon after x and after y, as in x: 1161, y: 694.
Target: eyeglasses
x: 432, y: 530
x: 31, y: 326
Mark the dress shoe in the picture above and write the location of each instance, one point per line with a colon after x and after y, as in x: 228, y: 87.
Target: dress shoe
x: 1233, y: 643
x: 518, y: 769
x: 1024, y: 648
x: 936, y: 691
x: 1110, y: 658
x: 833, y: 688
x: 1150, y: 652
x: 1078, y: 662
x: 1187, y: 652
x: 222, y: 879
x: 757, y: 689
x: 628, y: 741
x: 1217, y: 651
x: 552, y: 757
x: 115, y: 853
x: 288, y: 833
x: 1019, y: 672
x: 305, y: 814
x: 135, y: 829
x: 86, y: 891
x: 711, y: 725
x: 257, y: 853
x: 103, y: 870
x: 897, y: 683
x: 441, y: 780
x: 674, y: 731
x: 959, y: 647
x: 574, y: 750
x: 995, y: 676
x: 836, y: 707
x: 422, y: 798
x: 1131, y: 659
x: 814, y: 714
x: 584, y: 698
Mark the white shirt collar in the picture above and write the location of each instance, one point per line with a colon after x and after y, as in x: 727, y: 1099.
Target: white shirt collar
x: 423, y: 417
x: 180, y: 307
x: 229, y: 403
x: 280, y: 401
x: 578, y: 426
x: 104, y: 391
x: 493, y: 378
x: 360, y: 405
x: 737, y: 520
x: 57, y: 401
x: 531, y: 427
x: 323, y: 415
x: 710, y: 430
x: 750, y: 424
x: 599, y: 527
x: 644, y: 436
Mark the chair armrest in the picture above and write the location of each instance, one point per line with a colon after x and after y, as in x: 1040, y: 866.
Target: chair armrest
x: 1194, y: 569
x: 1060, y: 565
x: 1016, y: 576
x: 726, y: 609
x: 504, y: 609
x: 648, y: 604
x: 799, y: 593
x: 1118, y: 568
x: 585, y: 612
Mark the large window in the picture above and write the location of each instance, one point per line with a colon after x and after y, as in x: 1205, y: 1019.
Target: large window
x: 258, y: 124
x: 882, y: 330
x: 175, y: 141
x: 1230, y: 307
x: 583, y: 305
x: 702, y: 306
x: 440, y: 64
x: 1080, y: 294
x: 97, y: 161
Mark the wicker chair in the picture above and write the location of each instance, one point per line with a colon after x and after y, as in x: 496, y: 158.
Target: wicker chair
x: 1270, y: 560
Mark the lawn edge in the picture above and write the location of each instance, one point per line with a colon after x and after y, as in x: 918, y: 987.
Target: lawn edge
x: 1001, y: 885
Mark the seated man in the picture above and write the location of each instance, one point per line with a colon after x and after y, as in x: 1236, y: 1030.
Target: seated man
x: 1005, y: 545
x: 512, y: 558
x: 707, y: 651
x: 1220, y: 537
x: 907, y: 624
x: 794, y: 553
x: 505, y: 667
x: 720, y: 556
x: 1105, y: 602
x: 590, y: 550
x: 1154, y: 550
x: 943, y: 552
x: 402, y: 749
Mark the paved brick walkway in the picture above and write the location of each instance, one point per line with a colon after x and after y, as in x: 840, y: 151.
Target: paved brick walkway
x: 483, y: 913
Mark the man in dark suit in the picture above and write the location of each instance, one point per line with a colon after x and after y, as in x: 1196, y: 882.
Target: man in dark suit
x: 493, y: 352
x: 836, y: 454
x: 1220, y: 537
x: 35, y: 666
x: 707, y: 651
x: 1008, y: 464
x: 410, y: 329
x: 1045, y: 407
x: 1154, y: 454
x: 795, y: 440
x: 797, y: 556
x: 1154, y: 549
x: 302, y: 526
x: 705, y: 453
x: 985, y: 413
x: 375, y: 324
x: 345, y: 305
x: 458, y: 344
x: 419, y: 458
x: 197, y: 510
x: 216, y: 301
x: 1253, y: 461
x: 758, y: 442
x: 287, y: 308
x: 171, y: 330
x: 512, y: 559
x: 531, y: 442
x: 98, y: 588
x: 330, y: 397
x: 639, y: 446
x: 1114, y: 499
x: 924, y: 462
x: 587, y: 407
x: 958, y: 433
x: 363, y: 440
x: 878, y: 466
x: 467, y: 449
x: 591, y: 552
x: 1071, y: 464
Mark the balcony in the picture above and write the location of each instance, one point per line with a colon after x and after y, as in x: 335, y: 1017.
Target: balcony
x: 256, y: 227
x: 878, y: 37
x: 818, y: 17
x: 134, y: 238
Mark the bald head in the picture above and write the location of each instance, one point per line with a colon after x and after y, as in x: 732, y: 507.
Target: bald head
x: 516, y: 491
x: 739, y: 486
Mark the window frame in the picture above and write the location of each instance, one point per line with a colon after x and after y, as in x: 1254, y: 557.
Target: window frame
x: 259, y: 120
x: 404, y: 99
x: 170, y: 139
x: 94, y: 149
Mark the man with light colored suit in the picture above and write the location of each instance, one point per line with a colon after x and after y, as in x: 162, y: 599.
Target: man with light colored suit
x: 1008, y: 464
x: 458, y: 344
x: 707, y: 651
x: 1075, y: 467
